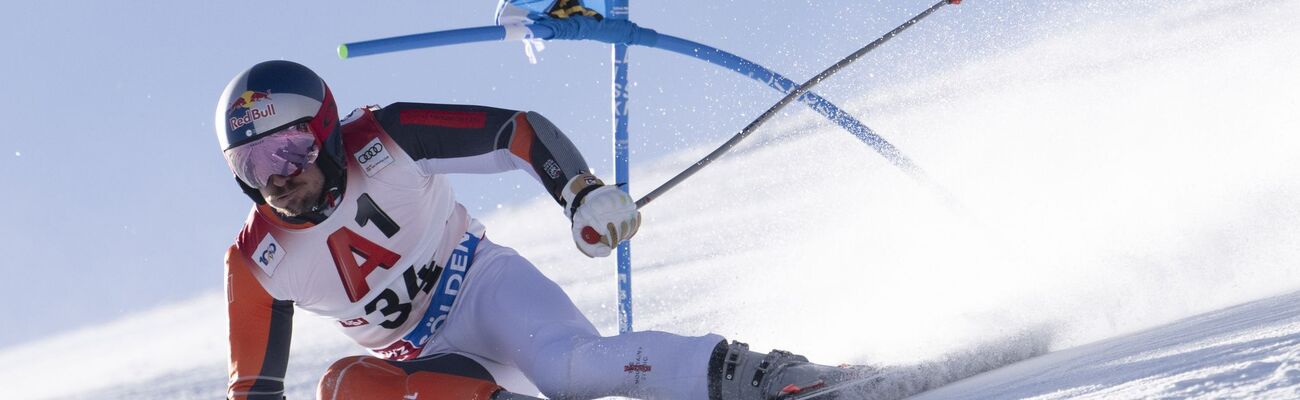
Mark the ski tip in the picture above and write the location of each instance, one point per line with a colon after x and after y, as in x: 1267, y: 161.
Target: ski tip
x: 343, y: 51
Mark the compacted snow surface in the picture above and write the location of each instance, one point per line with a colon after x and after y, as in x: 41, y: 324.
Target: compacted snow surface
x: 1104, y: 186
x: 1248, y: 351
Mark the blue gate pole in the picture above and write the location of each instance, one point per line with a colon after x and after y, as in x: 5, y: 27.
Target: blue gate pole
x: 618, y: 10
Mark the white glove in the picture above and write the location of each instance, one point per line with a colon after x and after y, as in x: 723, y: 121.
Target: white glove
x: 603, y: 216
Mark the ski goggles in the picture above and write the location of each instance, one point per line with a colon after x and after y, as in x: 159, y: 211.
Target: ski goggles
x: 285, y: 153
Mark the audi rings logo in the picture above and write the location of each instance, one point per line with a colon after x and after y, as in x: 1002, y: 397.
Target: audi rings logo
x: 370, y: 153
x: 373, y: 157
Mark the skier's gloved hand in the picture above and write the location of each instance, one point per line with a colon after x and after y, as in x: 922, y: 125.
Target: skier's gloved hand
x: 603, y: 216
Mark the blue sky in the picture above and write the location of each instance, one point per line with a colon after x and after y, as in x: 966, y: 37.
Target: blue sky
x: 117, y: 199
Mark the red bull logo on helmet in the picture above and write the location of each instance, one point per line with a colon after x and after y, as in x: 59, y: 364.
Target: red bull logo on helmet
x: 244, y: 109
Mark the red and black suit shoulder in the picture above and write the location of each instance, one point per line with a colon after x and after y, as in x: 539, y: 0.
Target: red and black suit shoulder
x: 462, y: 137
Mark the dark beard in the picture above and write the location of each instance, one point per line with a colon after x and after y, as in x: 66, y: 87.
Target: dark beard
x: 324, y: 203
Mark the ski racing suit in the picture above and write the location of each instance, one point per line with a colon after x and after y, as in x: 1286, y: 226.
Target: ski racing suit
x: 407, y: 273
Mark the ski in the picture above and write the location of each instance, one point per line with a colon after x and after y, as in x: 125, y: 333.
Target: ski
x: 506, y: 395
x: 853, y: 389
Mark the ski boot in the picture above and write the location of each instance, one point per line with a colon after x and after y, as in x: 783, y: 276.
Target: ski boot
x: 735, y: 373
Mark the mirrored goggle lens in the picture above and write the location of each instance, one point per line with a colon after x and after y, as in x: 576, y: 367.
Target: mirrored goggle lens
x: 282, y: 153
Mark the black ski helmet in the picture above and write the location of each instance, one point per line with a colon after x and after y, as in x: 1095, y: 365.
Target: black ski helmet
x: 271, y: 96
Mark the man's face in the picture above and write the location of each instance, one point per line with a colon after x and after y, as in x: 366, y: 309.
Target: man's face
x: 294, y: 195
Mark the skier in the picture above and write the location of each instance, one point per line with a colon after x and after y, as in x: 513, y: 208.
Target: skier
x: 355, y: 221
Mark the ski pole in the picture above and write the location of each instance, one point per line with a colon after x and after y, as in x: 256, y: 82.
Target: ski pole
x: 611, y: 31
x: 789, y: 98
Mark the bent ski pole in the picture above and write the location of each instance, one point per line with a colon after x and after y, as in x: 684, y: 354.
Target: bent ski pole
x: 789, y: 98
x: 620, y: 31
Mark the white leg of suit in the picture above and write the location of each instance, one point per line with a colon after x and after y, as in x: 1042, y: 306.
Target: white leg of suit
x: 510, y: 313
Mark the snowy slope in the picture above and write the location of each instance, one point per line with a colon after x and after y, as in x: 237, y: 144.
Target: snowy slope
x: 1248, y: 351
x: 1135, y: 167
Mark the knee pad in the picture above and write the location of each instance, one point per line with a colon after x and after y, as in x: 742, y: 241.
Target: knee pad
x: 366, y: 377
x: 439, y: 386
x: 361, y: 377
